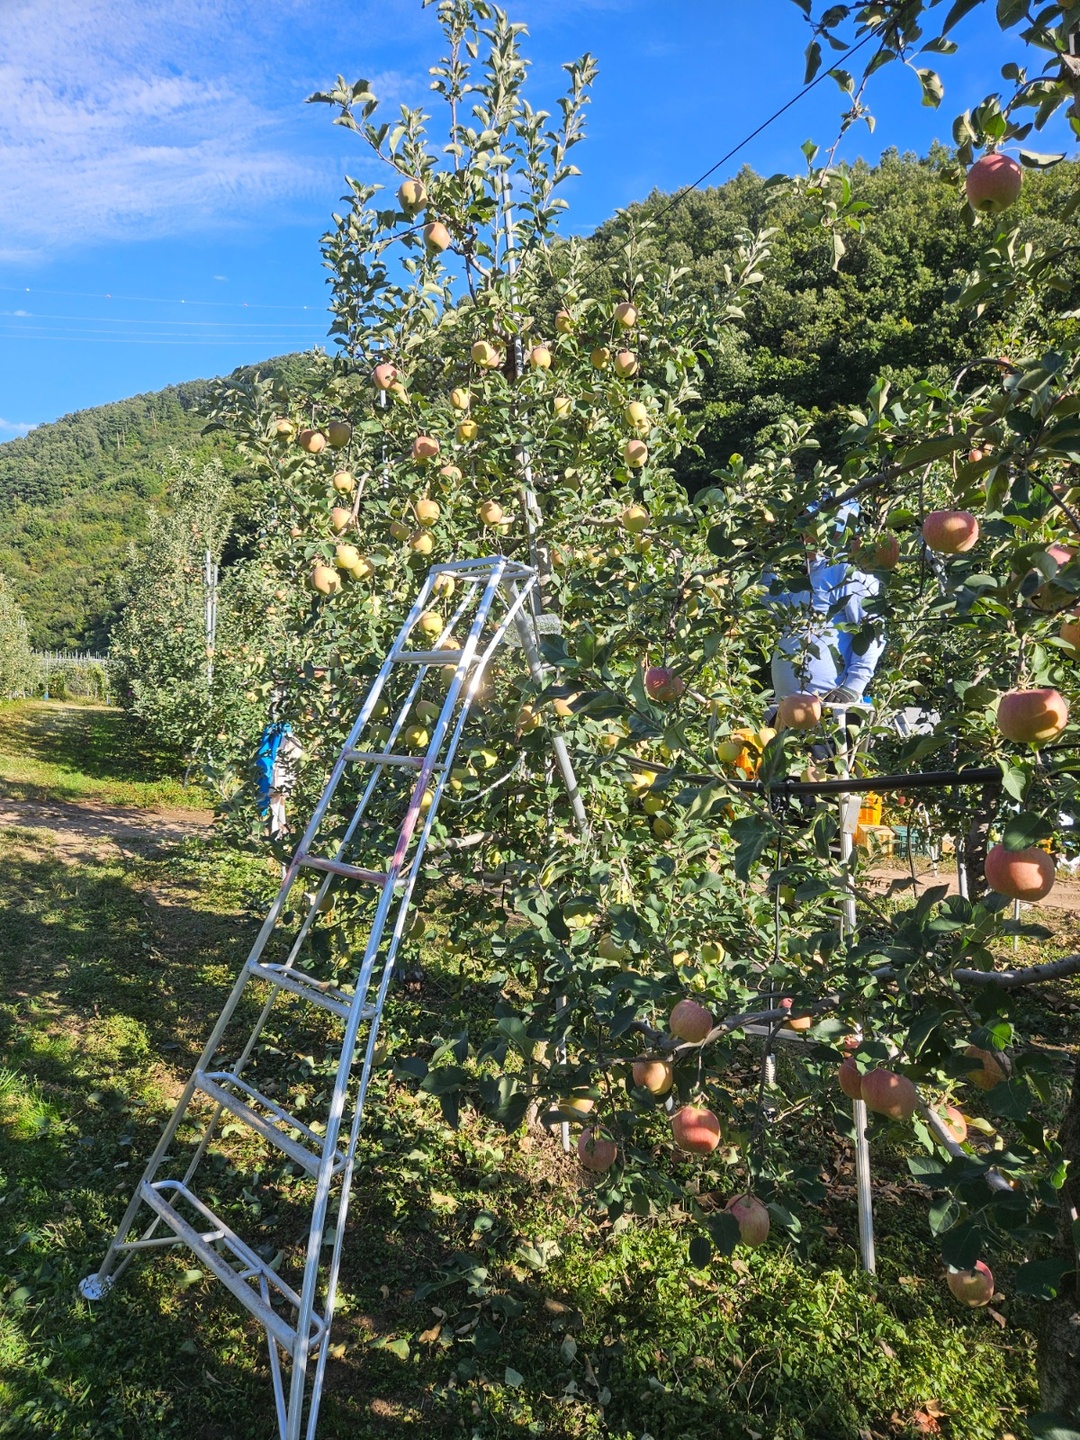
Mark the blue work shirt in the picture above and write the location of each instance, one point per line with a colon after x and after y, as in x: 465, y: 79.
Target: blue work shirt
x: 815, y: 653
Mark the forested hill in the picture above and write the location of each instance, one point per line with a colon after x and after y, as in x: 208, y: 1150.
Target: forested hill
x: 74, y: 493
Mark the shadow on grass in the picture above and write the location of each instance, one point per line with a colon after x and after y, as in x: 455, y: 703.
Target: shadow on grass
x: 93, y: 740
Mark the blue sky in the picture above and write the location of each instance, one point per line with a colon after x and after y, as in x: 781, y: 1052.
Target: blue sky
x: 165, y: 186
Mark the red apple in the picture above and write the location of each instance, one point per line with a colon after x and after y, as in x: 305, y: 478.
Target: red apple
x: 1031, y: 717
x: 312, y: 441
x: 1050, y: 597
x: 993, y: 183
x: 690, y: 1021
x: 955, y: 1124
x: 880, y: 553
x: 596, y: 1151
x: 950, y: 532
x: 1070, y: 633
x: 1026, y: 874
x: 384, y: 375
x: 695, y: 1129
x: 801, y: 711
x: 972, y: 1287
x: 626, y: 314
x: 753, y: 1219
x: 424, y: 447
x: 849, y: 1077
x: 888, y: 1093
x: 663, y: 685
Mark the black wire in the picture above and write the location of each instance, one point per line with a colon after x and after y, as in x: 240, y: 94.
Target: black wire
x: 870, y: 35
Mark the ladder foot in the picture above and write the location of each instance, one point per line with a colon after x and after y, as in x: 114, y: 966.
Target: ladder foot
x: 94, y: 1287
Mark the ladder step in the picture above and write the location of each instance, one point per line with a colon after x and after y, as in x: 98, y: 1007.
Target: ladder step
x: 220, y: 1085
x: 162, y: 1196
x: 338, y: 1002
x: 431, y: 657
x: 371, y: 757
x: 338, y: 867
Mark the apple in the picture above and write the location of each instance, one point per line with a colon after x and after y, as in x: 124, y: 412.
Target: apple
x: 626, y: 314
x: 690, y: 1021
x: 486, y: 355
x: 1031, y: 717
x: 993, y: 183
x: 608, y: 948
x: 338, y: 434
x: 562, y: 405
x: 563, y: 705
x: 324, y: 579
x: 340, y: 518
x: 695, y: 1129
x: 427, y: 511
x: 752, y: 1217
x: 430, y: 623
x: 993, y: 1067
x: 950, y: 532
x: 450, y: 473
x: 284, y: 429
x: 313, y: 441
x: 346, y: 557
x: 398, y: 391
x: 527, y: 719
x: 1070, y: 633
x: 626, y: 364
x: 490, y: 512
x: 972, y: 1287
x: 540, y: 357
x: 1051, y: 597
x: 634, y: 519
x: 460, y: 398
x: 421, y: 542
x: 955, y: 1124
x: 425, y: 447
x: 880, y: 553
x: 436, y: 237
x: 635, y: 453
x: 295, y: 532
x: 399, y: 530
x: 656, y: 1076
x: 467, y: 431
x: 1026, y: 874
x: 600, y: 358
x: 801, y: 711
x: 415, y: 737
x: 889, y: 1094
x: 412, y: 196
x: 384, y: 375
x: 663, y: 685
x: 575, y: 1107
x: 595, y: 1151
x: 849, y: 1078
x: 637, y: 418
x: 344, y: 482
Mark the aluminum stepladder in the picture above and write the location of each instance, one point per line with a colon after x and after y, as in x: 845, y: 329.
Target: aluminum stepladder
x: 297, y: 1321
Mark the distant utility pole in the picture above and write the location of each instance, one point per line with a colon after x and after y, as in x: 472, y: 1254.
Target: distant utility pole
x: 210, y: 603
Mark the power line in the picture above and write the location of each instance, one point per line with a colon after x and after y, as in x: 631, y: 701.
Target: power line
x: 290, y: 340
x: 134, y: 320
x: 870, y: 34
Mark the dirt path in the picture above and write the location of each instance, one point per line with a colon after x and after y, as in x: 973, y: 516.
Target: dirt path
x: 1064, y: 896
x: 89, y: 829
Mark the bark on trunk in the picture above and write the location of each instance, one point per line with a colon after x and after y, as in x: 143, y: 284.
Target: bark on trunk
x: 1057, y: 1359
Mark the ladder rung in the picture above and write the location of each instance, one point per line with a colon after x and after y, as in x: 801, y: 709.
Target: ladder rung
x: 237, y: 1281
x: 297, y: 983
x: 431, y: 657
x: 210, y: 1083
x: 414, y: 762
x: 350, y: 872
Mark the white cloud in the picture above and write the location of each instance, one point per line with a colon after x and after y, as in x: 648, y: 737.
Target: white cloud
x: 10, y: 428
x: 133, y: 119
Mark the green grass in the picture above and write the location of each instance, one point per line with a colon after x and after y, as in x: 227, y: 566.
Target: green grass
x: 478, y: 1298
x: 53, y: 750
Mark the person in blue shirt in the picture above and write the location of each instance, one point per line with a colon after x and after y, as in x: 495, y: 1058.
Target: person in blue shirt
x: 827, y: 647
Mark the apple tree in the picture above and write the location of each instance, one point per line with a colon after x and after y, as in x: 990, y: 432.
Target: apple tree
x: 496, y: 388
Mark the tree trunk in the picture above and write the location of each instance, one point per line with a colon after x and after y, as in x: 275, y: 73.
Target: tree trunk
x: 1057, y: 1324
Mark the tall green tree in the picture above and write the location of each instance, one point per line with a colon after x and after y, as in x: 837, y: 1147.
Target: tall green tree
x: 17, y: 665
